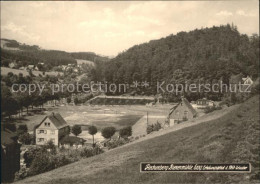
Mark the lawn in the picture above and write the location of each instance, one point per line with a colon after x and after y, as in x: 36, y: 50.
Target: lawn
x: 232, y: 138
x: 100, y: 116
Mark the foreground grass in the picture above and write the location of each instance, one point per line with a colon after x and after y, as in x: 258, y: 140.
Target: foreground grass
x: 233, y: 138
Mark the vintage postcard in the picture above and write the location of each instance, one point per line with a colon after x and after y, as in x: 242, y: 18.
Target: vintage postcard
x: 114, y: 92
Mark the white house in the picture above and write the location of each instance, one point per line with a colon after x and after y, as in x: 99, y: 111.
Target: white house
x: 247, y: 80
x: 181, y: 112
x: 52, y: 128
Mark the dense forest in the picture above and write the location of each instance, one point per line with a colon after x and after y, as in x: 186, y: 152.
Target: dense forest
x: 33, y: 57
x: 201, y: 55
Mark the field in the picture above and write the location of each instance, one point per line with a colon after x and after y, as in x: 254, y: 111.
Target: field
x: 5, y: 71
x: 231, y: 138
x: 119, y: 100
x: 100, y: 115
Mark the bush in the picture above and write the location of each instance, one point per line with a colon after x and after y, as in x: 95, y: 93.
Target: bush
x: 154, y: 127
x: 149, y: 129
x: 125, y: 132
x: 25, y: 138
x: 22, y: 129
x: 209, y: 109
x: 41, y: 163
x: 108, y: 132
x: 86, y: 152
x: 97, y: 150
x: 29, y: 155
x: 157, y: 126
x: 21, y: 174
x: 116, y: 143
x: 40, y: 160
x: 60, y: 160
x: 76, y: 101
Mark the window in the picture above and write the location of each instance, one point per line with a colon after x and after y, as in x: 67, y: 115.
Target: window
x: 52, y: 132
x: 40, y: 139
x: 41, y: 131
x: 47, y: 124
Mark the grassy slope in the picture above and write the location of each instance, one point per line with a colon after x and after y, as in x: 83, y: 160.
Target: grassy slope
x: 233, y: 138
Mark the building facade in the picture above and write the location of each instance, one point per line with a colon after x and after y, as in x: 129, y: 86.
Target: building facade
x: 181, y: 112
x: 52, y: 128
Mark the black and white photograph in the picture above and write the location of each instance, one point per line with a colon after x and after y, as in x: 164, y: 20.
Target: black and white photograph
x: 130, y: 92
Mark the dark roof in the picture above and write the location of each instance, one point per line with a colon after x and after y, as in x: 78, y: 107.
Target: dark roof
x: 187, y: 103
x: 71, y: 140
x: 56, y: 119
x: 8, y: 137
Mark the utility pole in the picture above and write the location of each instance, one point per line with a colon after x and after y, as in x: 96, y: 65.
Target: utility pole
x: 147, y: 118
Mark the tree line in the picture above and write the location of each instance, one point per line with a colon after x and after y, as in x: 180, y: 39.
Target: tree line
x: 202, y: 55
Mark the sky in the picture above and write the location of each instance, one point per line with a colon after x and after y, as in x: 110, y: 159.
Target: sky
x: 108, y: 27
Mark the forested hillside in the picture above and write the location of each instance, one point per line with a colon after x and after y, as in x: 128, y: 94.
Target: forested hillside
x: 32, y: 55
x: 205, y: 55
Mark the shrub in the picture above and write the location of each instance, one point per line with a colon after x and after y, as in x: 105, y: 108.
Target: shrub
x: 157, y: 126
x: 50, y: 147
x: 86, y: 152
x: 41, y: 163
x: 154, y: 127
x: 29, y: 155
x: 21, y: 174
x: 209, y: 109
x: 76, y: 101
x: 97, y: 151
x: 108, y: 132
x: 149, y: 129
x: 22, y: 129
x: 25, y: 138
x: 116, y: 143
x: 125, y: 132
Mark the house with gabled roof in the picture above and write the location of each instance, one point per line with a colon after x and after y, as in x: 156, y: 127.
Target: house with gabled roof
x: 247, y: 80
x: 183, y: 111
x: 52, y: 128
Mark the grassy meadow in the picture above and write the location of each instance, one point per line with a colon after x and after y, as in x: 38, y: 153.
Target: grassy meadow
x: 232, y: 138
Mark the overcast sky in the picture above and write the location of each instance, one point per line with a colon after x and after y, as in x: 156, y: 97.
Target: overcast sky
x: 111, y: 27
